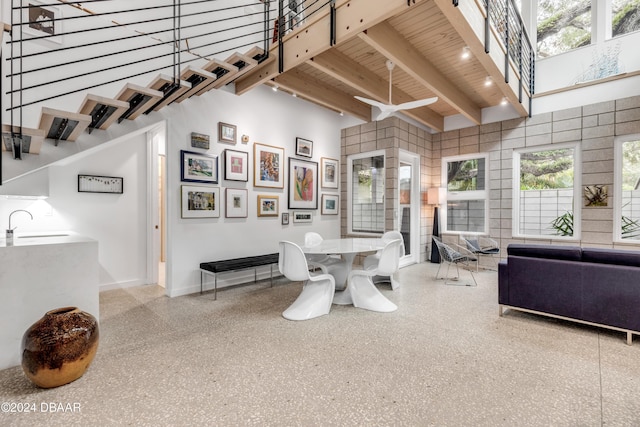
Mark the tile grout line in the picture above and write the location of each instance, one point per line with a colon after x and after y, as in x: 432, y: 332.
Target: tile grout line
x: 600, y: 375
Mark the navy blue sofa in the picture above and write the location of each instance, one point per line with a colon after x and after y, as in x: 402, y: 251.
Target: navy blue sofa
x: 599, y: 287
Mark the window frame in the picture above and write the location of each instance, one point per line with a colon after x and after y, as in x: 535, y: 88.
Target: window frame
x: 465, y: 195
x: 617, y: 188
x: 577, y: 191
x: 350, y: 159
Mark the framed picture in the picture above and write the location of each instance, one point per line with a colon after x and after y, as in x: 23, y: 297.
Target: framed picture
x: 198, y: 167
x: 199, y: 201
x: 268, y: 166
x: 100, y: 184
x: 236, y: 203
x: 303, y: 184
x: 43, y: 21
x: 285, y: 218
x: 330, y: 172
x: 199, y: 140
x: 236, y: 165
x: 268, y: 205
x: 304, y: 147
x: 227, y: 133
x: 302, y: 217
x: 329, y: 204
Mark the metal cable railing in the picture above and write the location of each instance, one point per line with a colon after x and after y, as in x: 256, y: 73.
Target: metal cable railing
x: 59, y: 48
x: 504, y: 18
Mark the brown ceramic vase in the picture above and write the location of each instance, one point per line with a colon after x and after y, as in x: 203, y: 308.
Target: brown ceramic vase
x: 59, y: 347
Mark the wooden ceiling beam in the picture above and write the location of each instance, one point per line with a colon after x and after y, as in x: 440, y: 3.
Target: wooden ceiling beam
x: 313, y: 38
x: 351, y: 73
x: 312, y: 89
x: 386, y: 40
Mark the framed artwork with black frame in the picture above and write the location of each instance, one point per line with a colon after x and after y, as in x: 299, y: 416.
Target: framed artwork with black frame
x: 304, y: 147
x: 198, y: 167
x: 100, y: 184
x: 236, y: 165
x: 303, y: 184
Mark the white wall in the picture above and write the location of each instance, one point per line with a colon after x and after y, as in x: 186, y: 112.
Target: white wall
x: 119, y: 222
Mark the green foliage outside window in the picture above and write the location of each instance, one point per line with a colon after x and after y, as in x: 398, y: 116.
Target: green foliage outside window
x: 544, y: 170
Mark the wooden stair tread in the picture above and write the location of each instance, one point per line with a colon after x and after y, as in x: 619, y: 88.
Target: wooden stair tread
x: 32, y: 138
x: 103, y: 111
x: 63, y: 125
x: 198, y: 78
x: 140, y: 99
x: 244, y: 64
x: 171, y: 91
x: 220, y: 69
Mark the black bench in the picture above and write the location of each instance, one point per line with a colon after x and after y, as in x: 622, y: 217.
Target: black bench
x: 228, y: 265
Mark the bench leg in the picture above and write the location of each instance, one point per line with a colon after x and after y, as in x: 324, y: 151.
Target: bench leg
x: 629, y: 338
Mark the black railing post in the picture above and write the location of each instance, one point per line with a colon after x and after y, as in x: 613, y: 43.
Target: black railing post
x: 506, y: 42
x: 281, y: 24
x: 520, y: 63
x: 267, y: 30
x: 487, y: 29
x: 332, y: 11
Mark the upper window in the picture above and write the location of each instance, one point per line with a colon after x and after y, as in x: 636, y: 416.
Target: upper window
x: 466, y: 180
x: 563, y: 25
x: 546, y: 192
x: 625, y: 17
x: 627, y: 189
x: 366, y: 178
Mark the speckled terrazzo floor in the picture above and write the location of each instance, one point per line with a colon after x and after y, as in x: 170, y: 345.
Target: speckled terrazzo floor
x: 445, y: 358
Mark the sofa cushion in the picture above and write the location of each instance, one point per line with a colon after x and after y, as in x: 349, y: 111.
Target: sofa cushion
x: 561, y: 253
x: 611, y: 256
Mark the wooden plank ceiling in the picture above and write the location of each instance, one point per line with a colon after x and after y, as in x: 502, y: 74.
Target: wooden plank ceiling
x: 418, y: 38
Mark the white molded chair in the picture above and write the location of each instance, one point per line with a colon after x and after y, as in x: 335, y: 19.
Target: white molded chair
x: 371, y: 260
x: 317, y: 290
x: 335, y: 266
x: 363, y: 292
x: 454, y: 256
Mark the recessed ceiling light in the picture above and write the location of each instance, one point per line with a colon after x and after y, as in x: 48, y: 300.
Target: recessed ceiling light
x: 466, y: 53
x: 274, y: 88
x: 488, y: 81
x: 294, y: 95
x: 504, y: 101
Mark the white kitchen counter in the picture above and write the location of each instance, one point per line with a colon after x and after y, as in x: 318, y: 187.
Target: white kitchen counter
x: 41, y: 272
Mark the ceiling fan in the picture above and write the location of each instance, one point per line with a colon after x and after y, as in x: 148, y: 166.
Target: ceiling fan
x: 388, y: 109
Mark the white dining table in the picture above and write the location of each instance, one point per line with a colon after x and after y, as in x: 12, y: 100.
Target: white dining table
x: 348, y: 248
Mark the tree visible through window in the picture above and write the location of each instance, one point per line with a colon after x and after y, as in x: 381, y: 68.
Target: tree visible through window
x: 630, y: 225
x: 546, y: 187
x: 564, y: 25
x: 466, y: 178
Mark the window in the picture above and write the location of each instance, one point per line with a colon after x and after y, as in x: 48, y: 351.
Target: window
x: 627, y: 189
x: 625, y: 17
x: 366, y: 175
x: 546, y: 191
x: 466, y: 183
x: 563, y: 25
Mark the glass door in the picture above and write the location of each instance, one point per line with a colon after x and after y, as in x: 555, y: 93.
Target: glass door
x: 409, y: 206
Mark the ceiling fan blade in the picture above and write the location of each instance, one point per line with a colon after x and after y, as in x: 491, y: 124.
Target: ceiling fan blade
x: 417, y: 103
x: 371, y: 102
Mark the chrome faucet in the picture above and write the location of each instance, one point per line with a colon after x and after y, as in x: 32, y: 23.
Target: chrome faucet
x: 10, y: 230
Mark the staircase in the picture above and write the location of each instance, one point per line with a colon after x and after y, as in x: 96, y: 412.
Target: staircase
x: 175, y: 82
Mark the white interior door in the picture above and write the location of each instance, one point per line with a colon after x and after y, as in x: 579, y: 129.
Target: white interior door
x: 409, y: 206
